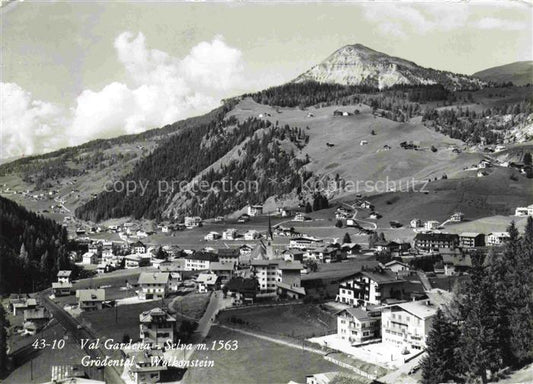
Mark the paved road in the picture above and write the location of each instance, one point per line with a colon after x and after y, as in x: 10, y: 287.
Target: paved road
x: 111, y: 376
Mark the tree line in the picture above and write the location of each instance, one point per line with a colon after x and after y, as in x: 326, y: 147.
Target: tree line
x: 488, y: 326
x: 32, y: 249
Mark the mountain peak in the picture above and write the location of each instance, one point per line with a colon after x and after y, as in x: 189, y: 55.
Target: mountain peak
x: 357, y: 64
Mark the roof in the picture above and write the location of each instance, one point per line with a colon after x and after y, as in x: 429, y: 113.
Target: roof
x: 147, y: 316
x: 358, y: 313
x: 264, y: 263
x: 228, y: 252
x: 394, y: 262
x: 419, y: 308
x: 217, y: 266
x: 290, y: 265
x: 470, y: 234
x: 90, y: 294
x: 439, y: 297
x: 153, y: 278
x: 382, y: 276
x: 207, y: 278
x: 281, y: 264
x: 64, y: 273
x: 291, y: 288
x: 240, y: 284
x: 436, y: 237
x: 206, y: 256
x: 500, y: 234
x: 138, y: 244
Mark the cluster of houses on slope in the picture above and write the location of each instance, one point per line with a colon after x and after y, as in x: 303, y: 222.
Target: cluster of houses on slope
x: 34, y: 315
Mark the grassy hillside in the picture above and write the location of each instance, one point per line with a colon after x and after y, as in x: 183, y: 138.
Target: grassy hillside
x: 355, y: 162
x: 328, y: 145
x: 519, y: 73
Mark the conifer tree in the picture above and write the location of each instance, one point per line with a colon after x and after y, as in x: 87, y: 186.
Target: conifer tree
x: 441, y: 363
x: 480, y: 349
x: 347, y: 239
x: 3, y: 341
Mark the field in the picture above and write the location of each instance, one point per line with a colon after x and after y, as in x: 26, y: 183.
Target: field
x: 354, y: 162
x: 256, y: 361
x: 115, y: 322
x: 295, y: 320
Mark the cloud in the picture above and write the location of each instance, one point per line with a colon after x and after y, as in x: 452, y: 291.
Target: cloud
x: 399, y: 20
x: 28, y: 125
x: 501, y: 24
x: 160, y: 89
x: 163, y: 88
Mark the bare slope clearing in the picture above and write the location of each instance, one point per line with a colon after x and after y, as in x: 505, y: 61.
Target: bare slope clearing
x: 357, y: 154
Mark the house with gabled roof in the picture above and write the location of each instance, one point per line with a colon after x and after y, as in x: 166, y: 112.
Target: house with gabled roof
x: 90, y: 299
x: 370, y: 287
x: 497, y: 238
x: 207, y: 282
x: 156, y: 327
x: 407, y: 325
x: 356, y: 325
x: 223, y: 270
x: 153, y: 285
x: 64, y: 276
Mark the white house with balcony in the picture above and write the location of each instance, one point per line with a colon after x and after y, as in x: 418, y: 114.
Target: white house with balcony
x: 153, y: 285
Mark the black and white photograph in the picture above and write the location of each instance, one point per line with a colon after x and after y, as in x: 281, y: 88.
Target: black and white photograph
x: 266, y: 192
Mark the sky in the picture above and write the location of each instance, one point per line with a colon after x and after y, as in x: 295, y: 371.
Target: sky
x: 73, y: 71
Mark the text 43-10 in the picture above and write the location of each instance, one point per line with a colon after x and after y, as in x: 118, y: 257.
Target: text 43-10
x: 54, y: 344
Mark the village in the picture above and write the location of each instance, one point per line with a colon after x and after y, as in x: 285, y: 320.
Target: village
x: 378, y: 297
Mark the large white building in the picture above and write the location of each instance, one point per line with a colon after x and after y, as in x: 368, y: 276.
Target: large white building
x: 370, y: 288
x: 192, y: 221
x: 153, y: 285
x: 200, y: 261
x: 305, y: 242
x: 271, y: 274
x: 407, y: 325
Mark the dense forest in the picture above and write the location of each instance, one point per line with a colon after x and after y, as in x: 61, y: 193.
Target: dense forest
x: 271, y: 170
x: 489, y: 125
x: 184, y: 155
x: 32, y: 249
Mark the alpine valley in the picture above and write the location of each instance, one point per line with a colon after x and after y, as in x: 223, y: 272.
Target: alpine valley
x: 359, y: 115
